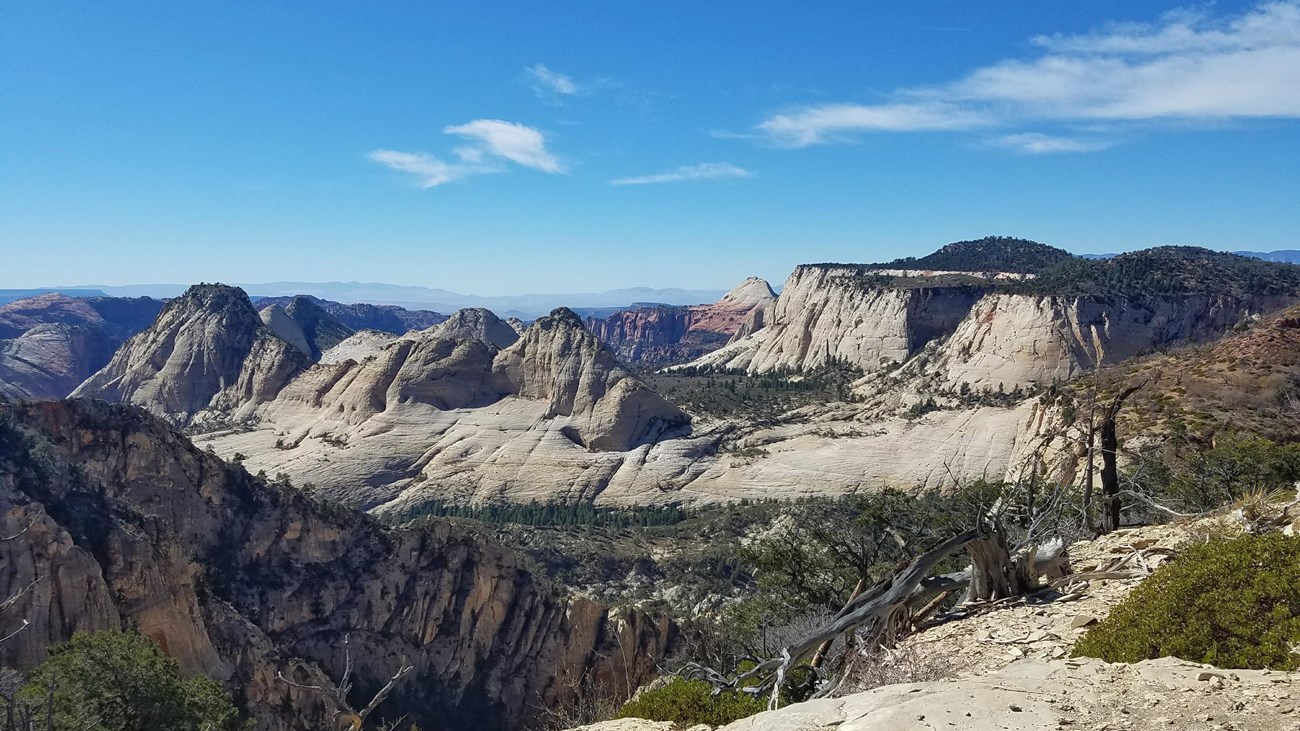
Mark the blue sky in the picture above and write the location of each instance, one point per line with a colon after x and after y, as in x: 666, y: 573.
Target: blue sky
x: 560, y: 147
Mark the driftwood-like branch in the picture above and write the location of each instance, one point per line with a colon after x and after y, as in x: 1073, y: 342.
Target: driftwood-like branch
x: 353, y: 719
x: 875, y: 606
x: 894, y: 604
x: 402, y: 672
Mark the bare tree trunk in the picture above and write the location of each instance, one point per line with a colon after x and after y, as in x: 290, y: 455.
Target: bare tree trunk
x: 994, y: 575
x: 1110, y: 500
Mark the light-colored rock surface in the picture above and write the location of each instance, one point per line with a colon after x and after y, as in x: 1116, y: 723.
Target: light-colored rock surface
x: 554, y: 416
x: 638, y: 725
x: 1038, y: 695
x: 358, y: 346
x: 476, y: 323
x: 441, y: 414
x: 208, y: 355
x: 984, y: 338
x: 512, y: 451
x: 1049, y: 695
x: 285, y: 328
x: 825, y: 313
x: 1018, y: 340
x: 558, y: 361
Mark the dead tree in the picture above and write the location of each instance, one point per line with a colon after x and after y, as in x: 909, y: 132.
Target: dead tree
x: 350, y: 719
x: 1110, y: 497
x: 994, y: 574
x: 882, y: 609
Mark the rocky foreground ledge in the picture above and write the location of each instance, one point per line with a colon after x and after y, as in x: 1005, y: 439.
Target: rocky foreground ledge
x: 1009, y: 669
x: 1038, y: 695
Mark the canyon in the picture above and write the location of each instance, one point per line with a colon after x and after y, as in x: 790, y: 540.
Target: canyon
x: 114, y: 520
x: 952, y: 374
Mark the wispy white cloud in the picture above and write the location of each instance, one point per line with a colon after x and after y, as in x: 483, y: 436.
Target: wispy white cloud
x: 552, y: 85
x: 428, y: 170
x: 491, y: 141
x: 703, y: 171
x: 836, y: 122
x: 1188, y: 67
x: 515, y: 142
x: 1034, y: 143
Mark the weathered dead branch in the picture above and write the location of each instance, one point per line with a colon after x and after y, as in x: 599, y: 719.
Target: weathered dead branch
x: 351, y: 719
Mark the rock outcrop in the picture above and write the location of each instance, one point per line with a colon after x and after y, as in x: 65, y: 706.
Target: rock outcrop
x: 50, y: 343
x: 983, y: 336
x: 49, y: 361
x: 1042, y: 695
x: 118, y: 317
x: 935, y: 374
x: 476, y: 323
x: 364, y: 316
x: 1022, y: 340
x: 306, y: 326
x: 652, y: 336
x: 559, y: 361
x: 234, y: 577
x: 208, y: 355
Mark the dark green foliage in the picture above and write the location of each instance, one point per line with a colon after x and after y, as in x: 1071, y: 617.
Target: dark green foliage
x: 921, y: 408
x: 549, y: 514
x: 989, y: 254
x: 815, y: 555
x: 691, y: 702
x: 125, y: 682
x: 1196, y: 478
x: 1231, y: 603
x: 727, y: 393
x: 1165, y: 270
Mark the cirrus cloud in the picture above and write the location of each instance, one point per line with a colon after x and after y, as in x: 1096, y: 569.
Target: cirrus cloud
x: 703, y: 171
x: 1188, y: 67
x: 551, y: 85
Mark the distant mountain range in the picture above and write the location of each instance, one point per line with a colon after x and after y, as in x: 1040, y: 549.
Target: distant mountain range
x: 524, y: 306
x: 1285, y: 256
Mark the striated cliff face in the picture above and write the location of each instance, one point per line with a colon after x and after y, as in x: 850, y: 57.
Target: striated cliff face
x: 48, y: 361
x: 981, y: 336
x: 1025, y: 339
x: 207, y: 355
x: 663, y: 335
x: 51, y: 343
x: 234, y: 577
x: 117, y: 317
x: 827, y: 313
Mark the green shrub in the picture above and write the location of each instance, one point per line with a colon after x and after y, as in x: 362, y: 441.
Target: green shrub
x: 689, y: 702
x: 1231, y: 603
x: 123, y: 682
